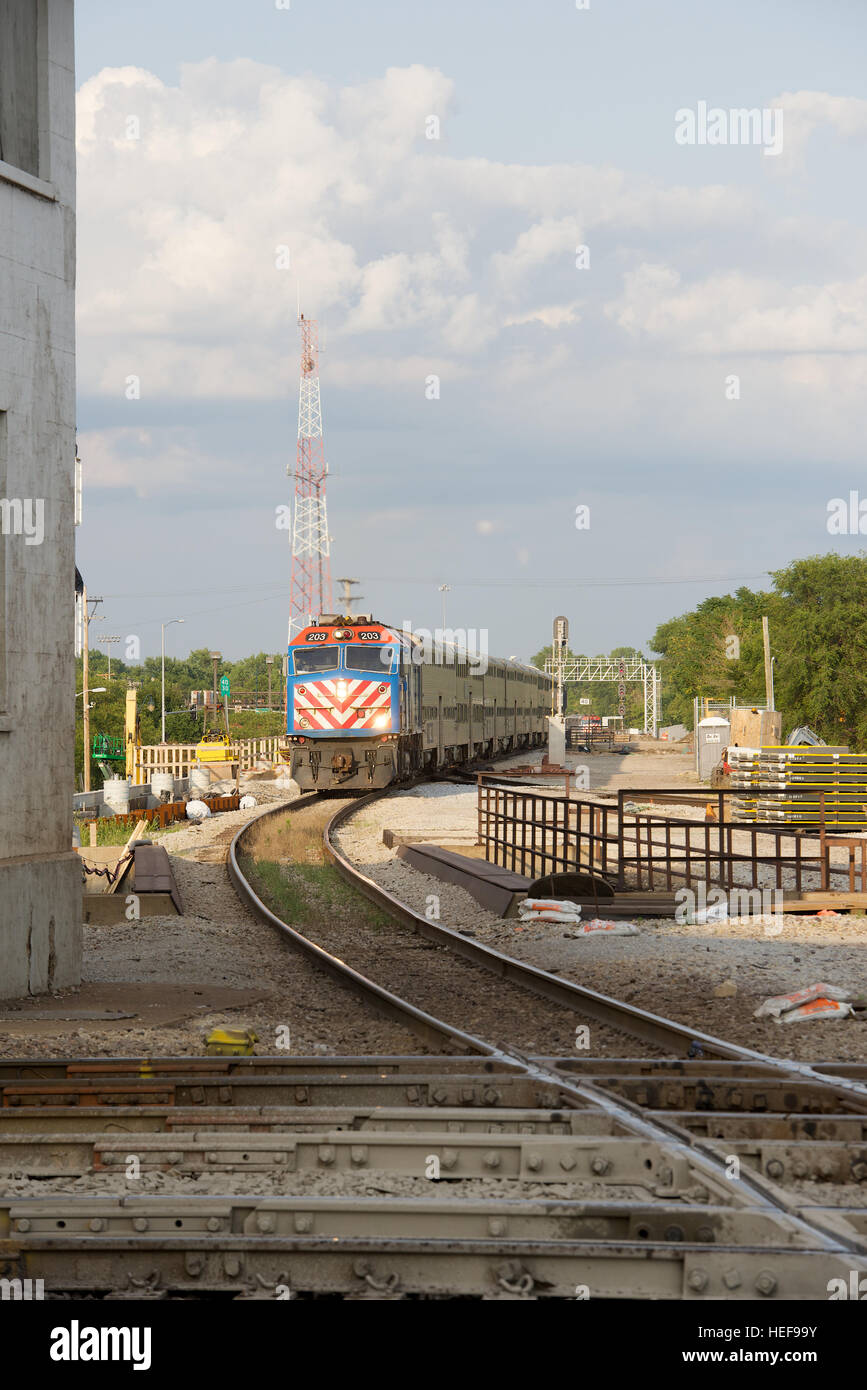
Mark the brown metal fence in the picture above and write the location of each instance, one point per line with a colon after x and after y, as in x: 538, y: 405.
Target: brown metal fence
x: 535, y: 834
x: 175, y: 810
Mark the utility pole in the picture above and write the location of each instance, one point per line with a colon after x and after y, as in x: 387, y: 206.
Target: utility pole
x: 85, y: 713
x: 215, y: 657
x: 163, y: 627
x: 348, y: 597
x: 269, y: 662
x: 560, y: 649
x: 769, y: 670
x: 108, y: 641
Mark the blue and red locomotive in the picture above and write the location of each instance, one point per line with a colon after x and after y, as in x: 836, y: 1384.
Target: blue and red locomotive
x: 368, y: 704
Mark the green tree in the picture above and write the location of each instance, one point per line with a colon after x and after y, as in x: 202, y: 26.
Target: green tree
x: 699, y: 657
x: 821, y: 672
x: 818, y: 633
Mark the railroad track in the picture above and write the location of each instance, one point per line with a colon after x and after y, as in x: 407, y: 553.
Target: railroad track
x: 485, y: 1171
x: 647, y: 1210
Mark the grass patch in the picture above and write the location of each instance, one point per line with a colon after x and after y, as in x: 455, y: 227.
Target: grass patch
x: 307, y: 894
x: 110, y: 832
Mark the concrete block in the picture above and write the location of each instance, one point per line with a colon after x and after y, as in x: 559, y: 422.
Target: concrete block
x: 557, y: 740
x: 40, y: 925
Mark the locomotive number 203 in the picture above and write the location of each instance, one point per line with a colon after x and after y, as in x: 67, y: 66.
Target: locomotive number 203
x: 317, y: 637
x: 368, y: 636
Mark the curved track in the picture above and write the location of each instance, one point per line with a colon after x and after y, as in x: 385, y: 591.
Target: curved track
x: 674, y: 1038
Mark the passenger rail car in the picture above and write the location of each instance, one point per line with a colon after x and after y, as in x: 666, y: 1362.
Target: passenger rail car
x: 368, y: 704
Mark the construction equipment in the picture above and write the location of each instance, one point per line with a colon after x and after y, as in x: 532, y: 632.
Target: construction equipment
x: 213, y: 748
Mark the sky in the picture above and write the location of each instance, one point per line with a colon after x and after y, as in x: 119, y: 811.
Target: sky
x: 547, y: 278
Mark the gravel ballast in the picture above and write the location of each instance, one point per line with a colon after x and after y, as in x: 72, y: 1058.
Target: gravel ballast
x: 668, y: 969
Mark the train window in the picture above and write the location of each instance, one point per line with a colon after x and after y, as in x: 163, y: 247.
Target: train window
x: 358, y: 658
x: 309, y: 659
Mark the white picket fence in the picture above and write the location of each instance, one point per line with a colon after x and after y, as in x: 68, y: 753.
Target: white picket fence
x: 178, y: 758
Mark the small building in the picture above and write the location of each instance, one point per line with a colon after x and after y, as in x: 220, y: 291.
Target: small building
x: 40, y: 874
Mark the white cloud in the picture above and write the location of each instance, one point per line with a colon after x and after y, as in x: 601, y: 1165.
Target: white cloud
x: 805, y: 112
x: 179, y: 228
x: 551, y: 315
x: 739, y: 313
x: 419, y: 262
x: 149, y: 462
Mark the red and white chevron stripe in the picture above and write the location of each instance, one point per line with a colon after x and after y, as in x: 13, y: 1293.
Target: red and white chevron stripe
x: 355, y: 707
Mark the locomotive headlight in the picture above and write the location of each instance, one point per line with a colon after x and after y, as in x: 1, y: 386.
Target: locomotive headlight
x: 341, y: 690
x: 381, y: 721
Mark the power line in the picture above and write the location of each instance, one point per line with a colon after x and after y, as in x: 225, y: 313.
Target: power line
x: 494, y: 581
x: 565, y: 582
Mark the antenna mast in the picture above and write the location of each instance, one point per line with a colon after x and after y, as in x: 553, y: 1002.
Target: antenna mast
x: 310, y: 591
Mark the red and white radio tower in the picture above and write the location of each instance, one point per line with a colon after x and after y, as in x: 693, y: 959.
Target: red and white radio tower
x: 310, y: 592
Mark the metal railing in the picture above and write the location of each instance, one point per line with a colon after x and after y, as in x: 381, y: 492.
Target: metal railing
x: 533, y: 833
x: 536, y: 834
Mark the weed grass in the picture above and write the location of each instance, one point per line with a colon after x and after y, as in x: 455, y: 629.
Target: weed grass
x: 111, y: 832
x: 306, y: 894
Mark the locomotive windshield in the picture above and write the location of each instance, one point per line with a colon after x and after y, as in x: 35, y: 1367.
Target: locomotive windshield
x: 309, y: 659
x: 360, y: 658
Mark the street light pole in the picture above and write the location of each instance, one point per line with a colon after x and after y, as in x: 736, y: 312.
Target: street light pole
x: 108, y: 641
x: 163, y: 683
x: 444, y: 589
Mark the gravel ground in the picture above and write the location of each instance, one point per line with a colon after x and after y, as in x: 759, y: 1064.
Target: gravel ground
x: 670, y: 969
x: 215, y: 966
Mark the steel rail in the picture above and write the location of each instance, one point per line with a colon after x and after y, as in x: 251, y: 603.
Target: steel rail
x: 615, y: 1013
x: 746, y: 1189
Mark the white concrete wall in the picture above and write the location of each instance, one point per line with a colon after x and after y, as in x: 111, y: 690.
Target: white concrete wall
x: 557, y: 740
x: 40, y: 880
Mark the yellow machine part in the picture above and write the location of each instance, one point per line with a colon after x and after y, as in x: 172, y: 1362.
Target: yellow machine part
x: 230, y: 1042
x: 213, y: 750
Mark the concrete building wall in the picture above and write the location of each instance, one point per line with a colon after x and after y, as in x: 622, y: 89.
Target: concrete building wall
x: 40, y: 879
